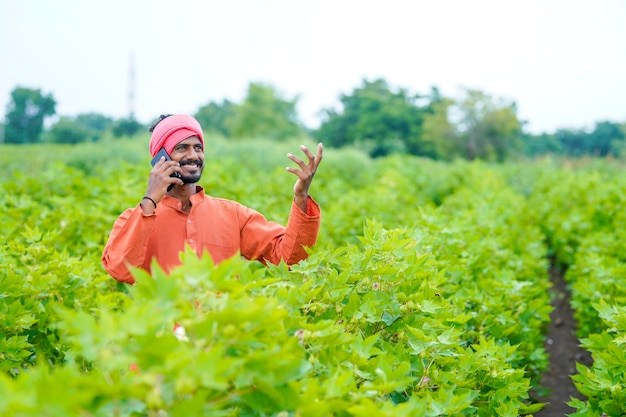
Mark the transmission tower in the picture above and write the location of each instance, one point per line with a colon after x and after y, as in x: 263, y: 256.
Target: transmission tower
x: 131, y: 86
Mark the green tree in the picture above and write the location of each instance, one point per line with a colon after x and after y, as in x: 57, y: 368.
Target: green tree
x: 95, y: 123
x: 213, y: 117
x: 607, y: 138
x: 377, y: 118
x: 264, y: 113
x: 618, y: 146
x: 126, y: 127
x: 82, y: 128
x: 541, y: 144
x: 575, y: 142
x: 489, y: 128
x: 26, y: 113
x: 66, y: 130
x: 440, y: 133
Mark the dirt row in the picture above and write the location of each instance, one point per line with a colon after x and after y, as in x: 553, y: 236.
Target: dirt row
x: 564, y: 351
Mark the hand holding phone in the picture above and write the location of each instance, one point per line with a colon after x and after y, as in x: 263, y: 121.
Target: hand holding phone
x: 163, y: 153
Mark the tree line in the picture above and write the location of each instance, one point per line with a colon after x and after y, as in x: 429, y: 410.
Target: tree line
x: 375, y: 117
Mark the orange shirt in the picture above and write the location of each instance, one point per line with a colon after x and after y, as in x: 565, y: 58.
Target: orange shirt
x: 222, y: 227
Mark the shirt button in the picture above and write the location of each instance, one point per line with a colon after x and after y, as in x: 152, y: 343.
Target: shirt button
x: 190, y: 240
x: 188, y: 220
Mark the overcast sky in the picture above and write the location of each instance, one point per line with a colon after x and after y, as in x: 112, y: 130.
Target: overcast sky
x: 562, y: 62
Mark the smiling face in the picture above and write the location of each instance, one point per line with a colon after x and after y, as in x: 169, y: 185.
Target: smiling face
x: 190, y: 155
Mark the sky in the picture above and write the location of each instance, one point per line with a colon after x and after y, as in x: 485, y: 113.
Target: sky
x: 562, y: 62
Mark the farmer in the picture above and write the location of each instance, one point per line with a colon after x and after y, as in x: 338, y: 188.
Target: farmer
x: 170, y: 218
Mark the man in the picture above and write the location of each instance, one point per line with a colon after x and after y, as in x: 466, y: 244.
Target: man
x: 175, y: 212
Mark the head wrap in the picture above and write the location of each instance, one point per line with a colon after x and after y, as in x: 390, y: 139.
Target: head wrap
x: 172, y: 130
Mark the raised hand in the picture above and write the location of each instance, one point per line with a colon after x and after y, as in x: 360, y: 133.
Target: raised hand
x: 305, y: 174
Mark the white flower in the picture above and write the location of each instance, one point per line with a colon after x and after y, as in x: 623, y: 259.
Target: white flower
x: 179, y: 332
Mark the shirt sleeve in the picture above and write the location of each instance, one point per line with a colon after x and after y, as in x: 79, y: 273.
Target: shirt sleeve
x: 270, y: 242
x: 127, y: 244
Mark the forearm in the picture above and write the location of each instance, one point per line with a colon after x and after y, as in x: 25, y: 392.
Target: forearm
x: 301, y: 202
x: 301, y: 231
x: 273, y: 243
x: 127, y: 243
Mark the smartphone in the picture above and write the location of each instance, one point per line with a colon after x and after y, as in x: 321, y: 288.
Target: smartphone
x: 163, y: 153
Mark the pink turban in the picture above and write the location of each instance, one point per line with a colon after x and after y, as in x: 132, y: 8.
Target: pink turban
x: 173, y: 130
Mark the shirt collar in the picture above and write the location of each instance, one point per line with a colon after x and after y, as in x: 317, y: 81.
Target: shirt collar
x: 174, y: 203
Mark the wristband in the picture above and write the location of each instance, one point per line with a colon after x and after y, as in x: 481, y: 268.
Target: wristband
x: 148, y: 198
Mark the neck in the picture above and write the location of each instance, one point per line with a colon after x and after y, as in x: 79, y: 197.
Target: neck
x: 183, y: 192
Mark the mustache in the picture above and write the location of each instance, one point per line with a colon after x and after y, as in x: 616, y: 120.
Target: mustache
x: 191, y: 162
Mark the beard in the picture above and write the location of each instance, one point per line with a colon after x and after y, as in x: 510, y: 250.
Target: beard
x: 192, y: 179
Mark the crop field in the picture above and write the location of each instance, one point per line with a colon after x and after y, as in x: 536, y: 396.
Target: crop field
x: 428, y: 292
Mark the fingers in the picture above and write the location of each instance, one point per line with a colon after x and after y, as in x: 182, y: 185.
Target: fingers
x: 313, y: 160
x: 161, y: 176
x: 306, y: 172
x: 307, y: 152
x: 162, y: 165
x: 320, y: 151
x: 172, y: 169
x: 297, y: 160
x: 166, y: 167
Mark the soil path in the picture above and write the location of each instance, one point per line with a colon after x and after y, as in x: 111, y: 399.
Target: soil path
x: 563, y: 347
